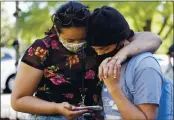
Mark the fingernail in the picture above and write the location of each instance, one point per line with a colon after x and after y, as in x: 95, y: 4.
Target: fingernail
x: 114, y: 77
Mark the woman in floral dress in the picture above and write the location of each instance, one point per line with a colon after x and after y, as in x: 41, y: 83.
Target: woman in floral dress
x: 60, y: 69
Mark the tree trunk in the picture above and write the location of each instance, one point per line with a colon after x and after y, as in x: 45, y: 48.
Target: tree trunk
x: 164, y: 24
x: 148, y: 25
x: 168, y: 33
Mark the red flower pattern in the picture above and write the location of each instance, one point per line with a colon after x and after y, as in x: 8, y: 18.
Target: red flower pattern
x: 43, y: 88
x: 48, y: 73
x: 30, y: 51
x: 52, y: 35
x: 40, y: 52
x: 57, y: 80
x: 95, y: 98
x: 90, y: 74
x: 69, y: 95
x: 51, y: 71
x: 54, y: 44
x: 71, y: 60
x: 46, y: 43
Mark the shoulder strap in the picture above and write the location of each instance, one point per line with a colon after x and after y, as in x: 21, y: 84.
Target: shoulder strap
x: 83, y: 68
x: 83, y: 94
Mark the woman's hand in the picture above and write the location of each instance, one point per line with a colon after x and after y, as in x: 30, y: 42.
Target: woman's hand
x: 116, y: 60
x: 112, y: 82
x: 111, y: 64
x: 65, y: 109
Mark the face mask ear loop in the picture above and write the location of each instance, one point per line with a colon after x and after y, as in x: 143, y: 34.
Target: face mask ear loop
x: 56, y: 30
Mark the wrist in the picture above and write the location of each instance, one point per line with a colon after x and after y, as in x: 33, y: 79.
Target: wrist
x: 58, y: 107
x: 113, y: 88
x: 124, y: 52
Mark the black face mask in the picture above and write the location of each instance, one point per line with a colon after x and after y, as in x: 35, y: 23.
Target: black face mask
x: 100, y: 58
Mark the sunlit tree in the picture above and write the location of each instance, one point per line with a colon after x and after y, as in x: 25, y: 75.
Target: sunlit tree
x: 156, y: 17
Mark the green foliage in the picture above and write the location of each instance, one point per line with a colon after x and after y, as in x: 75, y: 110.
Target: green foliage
x: 33, y: 23
x: 156, y: 17
x: 7, y: 33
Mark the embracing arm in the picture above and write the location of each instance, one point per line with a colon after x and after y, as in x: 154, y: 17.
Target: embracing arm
x: 142, y: 42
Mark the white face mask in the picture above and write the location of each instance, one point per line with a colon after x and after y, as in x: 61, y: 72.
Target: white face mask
x: 73, y: 47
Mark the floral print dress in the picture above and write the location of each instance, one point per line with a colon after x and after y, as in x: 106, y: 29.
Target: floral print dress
x: 62, y: 78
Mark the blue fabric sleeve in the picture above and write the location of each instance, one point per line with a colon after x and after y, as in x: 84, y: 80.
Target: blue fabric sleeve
x: 148, y: 82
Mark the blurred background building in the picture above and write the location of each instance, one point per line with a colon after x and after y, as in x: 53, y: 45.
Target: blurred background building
x: 24, y: 22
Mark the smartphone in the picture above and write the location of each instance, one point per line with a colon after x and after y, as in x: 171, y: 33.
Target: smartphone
x: 88, y: 107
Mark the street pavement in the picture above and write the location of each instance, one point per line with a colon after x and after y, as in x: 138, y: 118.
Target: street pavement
x: 7, y: 111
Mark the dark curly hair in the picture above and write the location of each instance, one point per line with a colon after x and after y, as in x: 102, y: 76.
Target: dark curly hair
x: 74, y: 13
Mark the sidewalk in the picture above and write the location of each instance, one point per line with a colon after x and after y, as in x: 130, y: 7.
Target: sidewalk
x: 7, y: 111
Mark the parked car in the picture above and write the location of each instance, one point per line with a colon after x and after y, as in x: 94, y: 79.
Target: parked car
x: 166, y: 67
x: 8, y: 69
x: 8, y: 113
x: 163, y: 61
